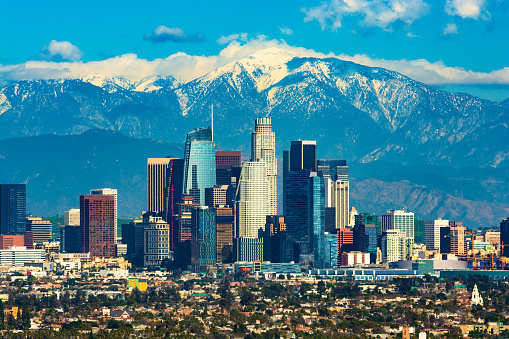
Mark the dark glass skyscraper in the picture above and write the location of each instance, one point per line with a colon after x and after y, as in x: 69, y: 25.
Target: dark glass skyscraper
x: 504, y: 236
x: 12, y: 208
x: 199, y: 163
x: 303, y: 156
x: 335, y: 169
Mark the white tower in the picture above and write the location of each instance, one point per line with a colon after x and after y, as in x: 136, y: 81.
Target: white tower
x: 263, y: 148
x: 476, y: 297
x: 253, y: 199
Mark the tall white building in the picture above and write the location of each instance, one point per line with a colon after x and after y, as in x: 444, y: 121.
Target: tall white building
x: 432, y: 233
x: 393, y: 245
x: 263, y: 149
x: 341, y: 197
x: 72, y: 217
x: 108, y: 191
x: 253, y: 199
x: 403, y: 221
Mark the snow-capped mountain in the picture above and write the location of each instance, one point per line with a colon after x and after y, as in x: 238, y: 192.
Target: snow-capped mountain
x: 357, y: 112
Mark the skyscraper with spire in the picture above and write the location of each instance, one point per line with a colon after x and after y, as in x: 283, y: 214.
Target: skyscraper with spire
x: 199, y: 163
x: 263, y: 149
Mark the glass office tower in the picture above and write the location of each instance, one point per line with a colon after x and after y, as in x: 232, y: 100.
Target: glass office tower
x: 199, y: 163
x: 316, y: 215
x: 12, y: 209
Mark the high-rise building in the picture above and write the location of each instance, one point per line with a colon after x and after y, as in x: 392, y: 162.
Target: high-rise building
x: 504, y: 237
x: 113, y: 192
x: 225, y: 231
x: 223, y: 174
x: 232, y: 158
x: 216, y: 196
x: 297, y: 196
x: 341, y: 202
x: 203, y: 238
x: 275, y: 244
x: 432, y: 233
x: 12, y: 208
x: 97, y: 222
x: 303, y: 156
x: 42, y: 229
x: 393, y: 245
x: 457, y: 237
x: 286, y: 169
x: 316, y: 217
x: 345, y: 240
x: 173, y: 191
x: 263, y: 149
x: 182, y: 224
x: 156, y: 240
x: 199, y: 163
x: 334, y: 169
x: 331, y: 250
x: 72, y: 217
x: 403, y: 221
x: 70, y: 239
x: 330, y: 219
x: 253, y: 199
x: 156, y: 183
x: 20, y: 256
x: 365, y: 239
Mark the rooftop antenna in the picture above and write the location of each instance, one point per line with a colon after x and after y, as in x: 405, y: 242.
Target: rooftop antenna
x: 212, y: 119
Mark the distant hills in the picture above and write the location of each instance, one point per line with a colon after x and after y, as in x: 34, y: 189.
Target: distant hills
x: 388, y: 126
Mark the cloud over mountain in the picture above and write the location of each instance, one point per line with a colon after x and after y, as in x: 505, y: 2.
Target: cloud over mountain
x: 61, y: 50
x: 187, y: 67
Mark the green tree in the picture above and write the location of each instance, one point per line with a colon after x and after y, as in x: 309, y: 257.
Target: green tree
x: 2, y: 316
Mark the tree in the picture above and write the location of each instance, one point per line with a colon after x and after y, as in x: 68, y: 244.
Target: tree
x: 25, y: 318
x: 2, y: 316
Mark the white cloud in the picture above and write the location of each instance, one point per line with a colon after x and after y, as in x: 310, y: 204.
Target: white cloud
x: 174, y: 34
x: 450, y: 29
x: 472, y: 9
x: 412, y: 35
x: 286, y: 30
x: 61, y: 50
x: 376, y: 13
x: 223, y: 40
x: 188, y: 67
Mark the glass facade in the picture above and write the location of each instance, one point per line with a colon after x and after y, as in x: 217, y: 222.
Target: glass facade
x: 297, y: 186
x: 204, y: 240
x: 316, y: 214
x: 199, y: 164
x: 12, y: 208
x: 331, y: 250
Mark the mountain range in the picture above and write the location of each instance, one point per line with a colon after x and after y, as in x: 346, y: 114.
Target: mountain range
x: 390, y: 128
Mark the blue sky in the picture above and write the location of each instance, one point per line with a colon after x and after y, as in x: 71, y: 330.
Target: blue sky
x: 456, y: 45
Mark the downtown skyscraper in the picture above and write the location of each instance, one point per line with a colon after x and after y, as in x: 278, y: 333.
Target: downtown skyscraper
x: 199, y: 163
x: 263, y: 149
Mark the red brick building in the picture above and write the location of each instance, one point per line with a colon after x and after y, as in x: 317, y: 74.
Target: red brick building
x: 97, y: 221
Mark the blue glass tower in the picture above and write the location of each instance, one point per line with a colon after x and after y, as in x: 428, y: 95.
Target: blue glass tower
x: 331, y: 250
x: 203, y: 236
x: 199, y: 163
x: 316, y: 215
